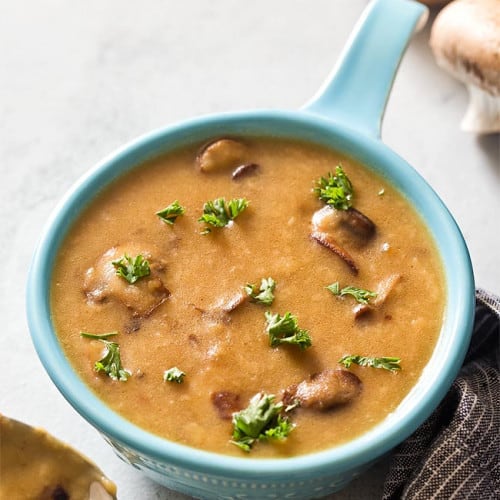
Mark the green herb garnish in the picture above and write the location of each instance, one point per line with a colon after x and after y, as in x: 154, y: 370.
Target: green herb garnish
x: 387, y: 363
x: 218, y: 213
x: 285, y: 330
x: 335, y: 189
x: 263, y: 295
x: 174, y: 375
x: 169, y: 214
x: 97, y: 336
x: 261, y: 420
x: 132, y: 268
x: 362, y: 296
x: 111, y: 363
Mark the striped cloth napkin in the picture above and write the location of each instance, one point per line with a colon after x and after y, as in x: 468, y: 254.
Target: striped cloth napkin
x: 455, y: 454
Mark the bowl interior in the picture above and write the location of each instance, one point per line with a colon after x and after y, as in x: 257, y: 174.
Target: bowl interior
x: 417, y: 406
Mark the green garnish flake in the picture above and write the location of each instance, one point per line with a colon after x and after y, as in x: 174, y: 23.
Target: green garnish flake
x: 130, y: 268
x: 335, y: 189
x: 263, y: 295
x: 261, y: 420
x: 386, y: 363
x: 111, y: 363
x: 362, y: 296
x: 97, y: 336
x: 218, y: 213
x: 169, y: 214
x: 174, y: 375
x: 285, y: 330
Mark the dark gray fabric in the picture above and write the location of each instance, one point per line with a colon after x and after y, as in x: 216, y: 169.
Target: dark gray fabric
x: 455, y: 454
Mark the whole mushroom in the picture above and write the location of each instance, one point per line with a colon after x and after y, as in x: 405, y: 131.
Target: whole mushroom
x: 465, y: 39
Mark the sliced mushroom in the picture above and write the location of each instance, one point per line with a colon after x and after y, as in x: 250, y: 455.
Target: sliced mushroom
x: 384, y: 289
x: 335, y: 228
x: 102, y: 284
x: 324, y: 390
x: 220, y: 312
x: 221, y: 154
x: 244, y: 170
x: 356, y: 223
x: 226, y: 403
x: 465, y: 39
x: 327, y: 241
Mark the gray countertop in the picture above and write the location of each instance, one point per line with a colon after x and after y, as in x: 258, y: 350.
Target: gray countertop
x: 81, y: 78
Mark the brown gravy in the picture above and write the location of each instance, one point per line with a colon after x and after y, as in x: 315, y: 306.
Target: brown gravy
x: 230, y: 352
x: 36, y: 465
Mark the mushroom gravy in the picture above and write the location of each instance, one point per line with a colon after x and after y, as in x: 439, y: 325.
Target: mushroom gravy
x: 192, y: 312
x: 36, y: 465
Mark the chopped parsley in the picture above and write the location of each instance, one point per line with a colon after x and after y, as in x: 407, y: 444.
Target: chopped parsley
x: 263, y: 295
x: 335, y: 189
x: 97, y: 336
x: 261, y: 420
x: 169, y: 214
x: 285, y: 330
x: 111, y: 363
x: 174, y: 375
x: 130, y: 268
x: 219, y: 213
x: 362, y: 296
x: 387, y: 363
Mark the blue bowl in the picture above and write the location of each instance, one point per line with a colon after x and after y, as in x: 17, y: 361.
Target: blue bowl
x: 346, y: 117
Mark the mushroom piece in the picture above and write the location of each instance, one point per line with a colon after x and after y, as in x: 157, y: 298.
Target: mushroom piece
x: 244, y: 170
x: 324, y: 390
x: 220, y: 312
x: 226, y: 403
x: 102, y: 284
x: 384, y: 289
x: 221, y: 154
x: 465, y: 39
x: 334, y: 228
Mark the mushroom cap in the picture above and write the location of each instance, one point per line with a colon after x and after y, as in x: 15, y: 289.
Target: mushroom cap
x: 465, y: 39
x: 434, y: 3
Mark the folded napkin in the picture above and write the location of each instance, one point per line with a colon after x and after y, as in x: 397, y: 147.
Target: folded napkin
x: 456, y: 452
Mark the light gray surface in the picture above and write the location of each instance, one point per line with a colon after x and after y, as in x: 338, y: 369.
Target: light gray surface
x: 78, y: 79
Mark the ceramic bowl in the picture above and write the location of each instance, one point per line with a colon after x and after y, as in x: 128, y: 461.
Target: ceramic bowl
x: 345, y: 115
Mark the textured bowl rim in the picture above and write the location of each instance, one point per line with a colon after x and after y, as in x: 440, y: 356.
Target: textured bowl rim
x: 416, y: 407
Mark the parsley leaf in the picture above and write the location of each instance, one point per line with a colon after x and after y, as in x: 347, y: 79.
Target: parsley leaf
x: 264, y: 295
x: 362, y: 296
x: 97, y: 336
x: 335, y: 189
x: 111, y: 362
x: 130, y: 268
x: 285, y: 330
x: 174, y: 375
x: 387, y: 363
x: 261, y: 420
x: 169, y: 214
x: 218, y: 213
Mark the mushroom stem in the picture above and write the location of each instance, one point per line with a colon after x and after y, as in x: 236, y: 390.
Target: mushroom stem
x: 483, y: 111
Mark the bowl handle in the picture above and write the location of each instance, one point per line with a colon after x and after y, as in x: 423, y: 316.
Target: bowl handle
x: 355, y: 93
